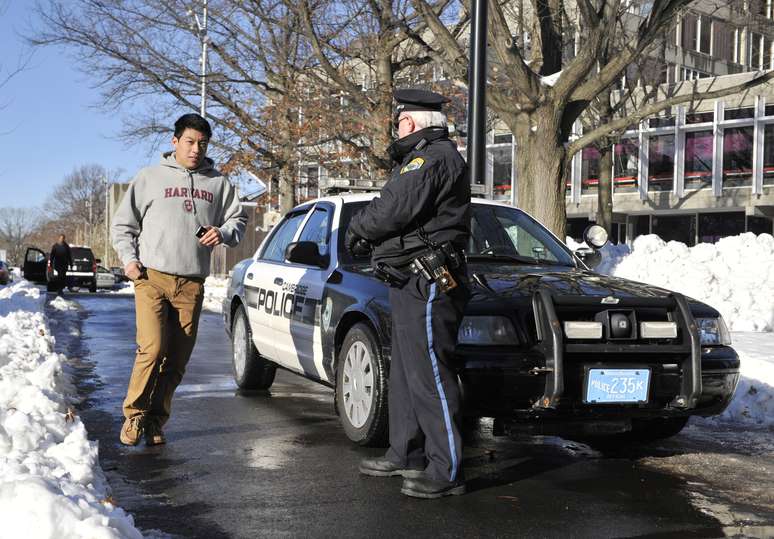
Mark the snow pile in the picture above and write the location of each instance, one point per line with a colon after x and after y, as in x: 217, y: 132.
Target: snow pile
x: 215, y: 289
x: 753, y: 402
x: 51, y: 484
x: 734, y: 275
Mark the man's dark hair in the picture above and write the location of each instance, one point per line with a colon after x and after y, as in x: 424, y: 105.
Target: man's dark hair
x: 192, y: 121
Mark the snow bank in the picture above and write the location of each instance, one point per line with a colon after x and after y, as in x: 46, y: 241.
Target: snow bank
x: 753, y: 402
x: 51, y: 484
x: 734, y: 275
x: 215, y: 289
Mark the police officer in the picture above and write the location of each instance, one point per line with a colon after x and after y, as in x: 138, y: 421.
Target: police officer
x: 418, y: 227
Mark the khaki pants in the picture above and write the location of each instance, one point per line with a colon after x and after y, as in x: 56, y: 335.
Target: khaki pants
x: 168, y: 309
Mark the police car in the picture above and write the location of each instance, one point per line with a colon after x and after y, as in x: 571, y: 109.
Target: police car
x: 545, y: 344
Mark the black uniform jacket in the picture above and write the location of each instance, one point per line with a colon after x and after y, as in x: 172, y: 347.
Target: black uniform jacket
x: 60, y: 256
x: 430, y: 187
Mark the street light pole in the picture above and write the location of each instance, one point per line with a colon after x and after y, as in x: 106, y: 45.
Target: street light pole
x: 201, y: 27
x: 106, y: 262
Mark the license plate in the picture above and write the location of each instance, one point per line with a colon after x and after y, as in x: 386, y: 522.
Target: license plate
x: 617, y: 385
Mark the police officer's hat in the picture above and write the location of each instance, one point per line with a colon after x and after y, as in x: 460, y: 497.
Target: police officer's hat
x: 412, y: 99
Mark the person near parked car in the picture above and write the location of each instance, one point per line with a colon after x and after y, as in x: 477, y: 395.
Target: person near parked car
x: 60, y: 259
x: 418, y: 226
x: 169, y: 220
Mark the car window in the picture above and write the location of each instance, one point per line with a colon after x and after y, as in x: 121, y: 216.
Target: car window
x: 33, y: 255
x: 283, y: 235
x: 317, y: 229
x: 81, y: 253
x: 349, y: 209
x: 497, y: 230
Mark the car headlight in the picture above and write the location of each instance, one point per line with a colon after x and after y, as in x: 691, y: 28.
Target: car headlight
x: 486, y: 330
x: 713, y: 331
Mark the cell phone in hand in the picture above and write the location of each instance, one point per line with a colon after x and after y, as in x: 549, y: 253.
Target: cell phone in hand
x: 201, y: 231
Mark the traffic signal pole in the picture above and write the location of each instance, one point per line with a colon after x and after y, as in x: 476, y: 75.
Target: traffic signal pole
x: 477, y: 92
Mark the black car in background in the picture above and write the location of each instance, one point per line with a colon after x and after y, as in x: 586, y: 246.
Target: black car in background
x: 81, y: 274
x: 546, y: 345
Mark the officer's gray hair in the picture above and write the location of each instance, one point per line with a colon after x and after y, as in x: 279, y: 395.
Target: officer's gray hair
x: 427, y: 118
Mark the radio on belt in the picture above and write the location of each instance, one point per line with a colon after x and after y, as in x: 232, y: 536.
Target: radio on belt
x: 434, y: 266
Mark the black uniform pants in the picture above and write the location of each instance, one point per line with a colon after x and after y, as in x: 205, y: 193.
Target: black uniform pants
x: 424, y: 397
x: 60, y: 279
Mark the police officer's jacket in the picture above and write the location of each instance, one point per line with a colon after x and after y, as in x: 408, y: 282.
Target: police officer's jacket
x: 428, y: 188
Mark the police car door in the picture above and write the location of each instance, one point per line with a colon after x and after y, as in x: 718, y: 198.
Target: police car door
x: 299, y: 338
x: 263, y: 284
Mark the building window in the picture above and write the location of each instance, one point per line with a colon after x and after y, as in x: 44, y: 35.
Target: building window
x: 626, y: 159
x: 768, y: 155
x: 699, y: 117
x: 713, y: 226
x: 503, y: 138
x: 575, y: 228
x: 661, y: 163
x: 738, y: 114
x: 698, y: 159
x: 639, y: 225
x: 618, y: 233
x: 737, y: 157
x: 739, y: 53
x: 760, y: 51
x: 686, y: 73
x: 680, y: 228
x: 759, y: 225
x: 502, y: 166
x: 589, y: 170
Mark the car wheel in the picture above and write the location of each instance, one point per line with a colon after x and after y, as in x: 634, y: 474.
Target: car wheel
x: 361, y: 388
x: 251, y: 371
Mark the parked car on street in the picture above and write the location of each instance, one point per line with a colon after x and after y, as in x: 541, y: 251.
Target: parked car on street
x: 5, y: 273
x: 546, y: 344
x: 82, y: 272
x: 106, y: 278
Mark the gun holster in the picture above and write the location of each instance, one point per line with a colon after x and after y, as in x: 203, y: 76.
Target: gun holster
x: 388, y: 274
x: 435, y: 265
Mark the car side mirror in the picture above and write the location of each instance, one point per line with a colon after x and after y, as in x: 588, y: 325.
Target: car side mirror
x: 590, y: 257
x: 307, y: 253
x: 595, y: 236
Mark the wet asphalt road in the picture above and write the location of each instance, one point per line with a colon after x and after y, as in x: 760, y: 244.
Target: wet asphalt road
x: 277, y: 464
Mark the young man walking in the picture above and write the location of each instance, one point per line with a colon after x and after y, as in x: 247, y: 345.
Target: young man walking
x: 171, y: 217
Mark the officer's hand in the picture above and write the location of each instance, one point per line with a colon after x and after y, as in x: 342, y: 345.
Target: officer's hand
x: 133, y: 270
x: 355, y: 245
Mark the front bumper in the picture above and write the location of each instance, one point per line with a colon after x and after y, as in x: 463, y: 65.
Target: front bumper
x: 547, y: 380
x: 506, y: 385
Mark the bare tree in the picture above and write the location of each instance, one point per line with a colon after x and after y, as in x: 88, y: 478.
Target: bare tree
x: 540, y: 87
x: 17, y: 226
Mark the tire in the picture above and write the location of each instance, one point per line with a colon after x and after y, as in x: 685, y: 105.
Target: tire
x: 250, y: 370
x: 361, y: 388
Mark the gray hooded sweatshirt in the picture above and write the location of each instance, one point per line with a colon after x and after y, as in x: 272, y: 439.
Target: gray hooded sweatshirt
x: 158, y: 217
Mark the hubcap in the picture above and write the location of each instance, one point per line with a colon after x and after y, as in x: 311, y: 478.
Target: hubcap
x: 358, y: 384
x: 240, y: 347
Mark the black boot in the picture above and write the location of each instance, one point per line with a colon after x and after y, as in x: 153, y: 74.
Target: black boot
x: 382, y: 467
x: 427, y: 487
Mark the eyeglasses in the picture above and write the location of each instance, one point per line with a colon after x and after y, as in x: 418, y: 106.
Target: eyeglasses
x: 396, y: 122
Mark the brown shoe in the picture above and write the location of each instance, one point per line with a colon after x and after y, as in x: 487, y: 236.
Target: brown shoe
x: 153, y: 433
x: 131, y: 431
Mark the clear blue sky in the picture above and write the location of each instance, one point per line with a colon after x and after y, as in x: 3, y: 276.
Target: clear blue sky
x: 49, y: 125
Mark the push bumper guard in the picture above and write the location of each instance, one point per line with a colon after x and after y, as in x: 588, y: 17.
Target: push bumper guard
x: 552, y: 345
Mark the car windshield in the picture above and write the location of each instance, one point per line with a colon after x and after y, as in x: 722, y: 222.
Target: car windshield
x: 505, y: 234
x: 498, y: 233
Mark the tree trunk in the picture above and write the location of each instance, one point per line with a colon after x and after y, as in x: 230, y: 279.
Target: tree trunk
x: 540, y: 157
x: 287, y: 187
x: 605, y: 188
